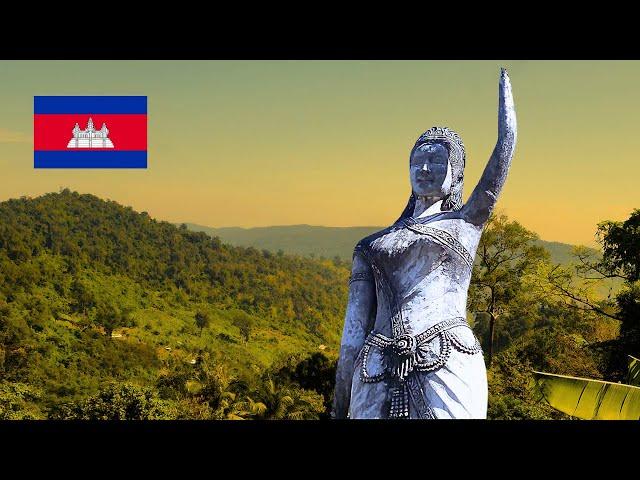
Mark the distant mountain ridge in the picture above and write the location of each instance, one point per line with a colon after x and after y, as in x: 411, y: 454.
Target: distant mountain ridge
x: 324, y: 241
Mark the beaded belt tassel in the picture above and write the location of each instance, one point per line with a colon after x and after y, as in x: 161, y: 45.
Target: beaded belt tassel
x: 399, y: 402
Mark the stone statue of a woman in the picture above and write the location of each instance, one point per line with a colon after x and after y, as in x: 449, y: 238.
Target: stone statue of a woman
x: 407, y: 350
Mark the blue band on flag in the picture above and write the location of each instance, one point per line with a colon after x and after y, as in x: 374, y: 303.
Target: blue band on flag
x: 90, y: 105
x: 90, y: 159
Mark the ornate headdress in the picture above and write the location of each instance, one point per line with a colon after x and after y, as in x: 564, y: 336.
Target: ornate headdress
x: 453, y: 143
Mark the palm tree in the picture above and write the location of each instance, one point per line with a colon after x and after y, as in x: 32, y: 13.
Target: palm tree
x: 246, y: 410
x: 288, y: 402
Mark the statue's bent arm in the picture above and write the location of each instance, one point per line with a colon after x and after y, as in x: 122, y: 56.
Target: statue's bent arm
x: 482, y: 201
x: 359, y: 319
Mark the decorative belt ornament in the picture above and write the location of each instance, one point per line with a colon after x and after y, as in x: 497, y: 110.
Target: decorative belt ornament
x: 396, y: 358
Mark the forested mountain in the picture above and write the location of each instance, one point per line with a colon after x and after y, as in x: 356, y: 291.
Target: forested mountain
x: 91, y: 291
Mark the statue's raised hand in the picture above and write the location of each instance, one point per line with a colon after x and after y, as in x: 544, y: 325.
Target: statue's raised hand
x: 483, y: 199
x: 506, y: 112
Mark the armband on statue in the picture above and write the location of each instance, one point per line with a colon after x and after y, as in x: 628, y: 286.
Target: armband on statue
x: 359, y: 276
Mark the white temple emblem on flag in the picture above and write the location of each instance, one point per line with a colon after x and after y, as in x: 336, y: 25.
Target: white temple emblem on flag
x: 90, y: 137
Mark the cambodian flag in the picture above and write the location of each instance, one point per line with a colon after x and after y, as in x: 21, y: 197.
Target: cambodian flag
x: 90, y: 132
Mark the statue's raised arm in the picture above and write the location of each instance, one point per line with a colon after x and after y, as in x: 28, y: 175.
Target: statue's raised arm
x: 483, y: 199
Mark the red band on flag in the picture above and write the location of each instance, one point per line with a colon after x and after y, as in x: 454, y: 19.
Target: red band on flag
x: 54, y: 131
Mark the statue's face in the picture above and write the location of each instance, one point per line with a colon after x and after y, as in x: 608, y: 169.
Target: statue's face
x: 430, y: 171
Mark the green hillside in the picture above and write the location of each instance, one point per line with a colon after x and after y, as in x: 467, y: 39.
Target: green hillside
x: 91, y: 291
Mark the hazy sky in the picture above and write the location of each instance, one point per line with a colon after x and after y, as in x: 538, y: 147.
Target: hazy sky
x: 256, y: 143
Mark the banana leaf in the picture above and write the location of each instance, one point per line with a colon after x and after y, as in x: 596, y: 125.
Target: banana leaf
x: 589, y: 399
x: 633, y: 377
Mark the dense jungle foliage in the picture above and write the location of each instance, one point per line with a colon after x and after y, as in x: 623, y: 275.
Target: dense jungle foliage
x: 106, y: 313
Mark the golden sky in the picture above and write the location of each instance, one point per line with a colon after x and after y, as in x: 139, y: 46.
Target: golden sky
x: 257, y: 143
